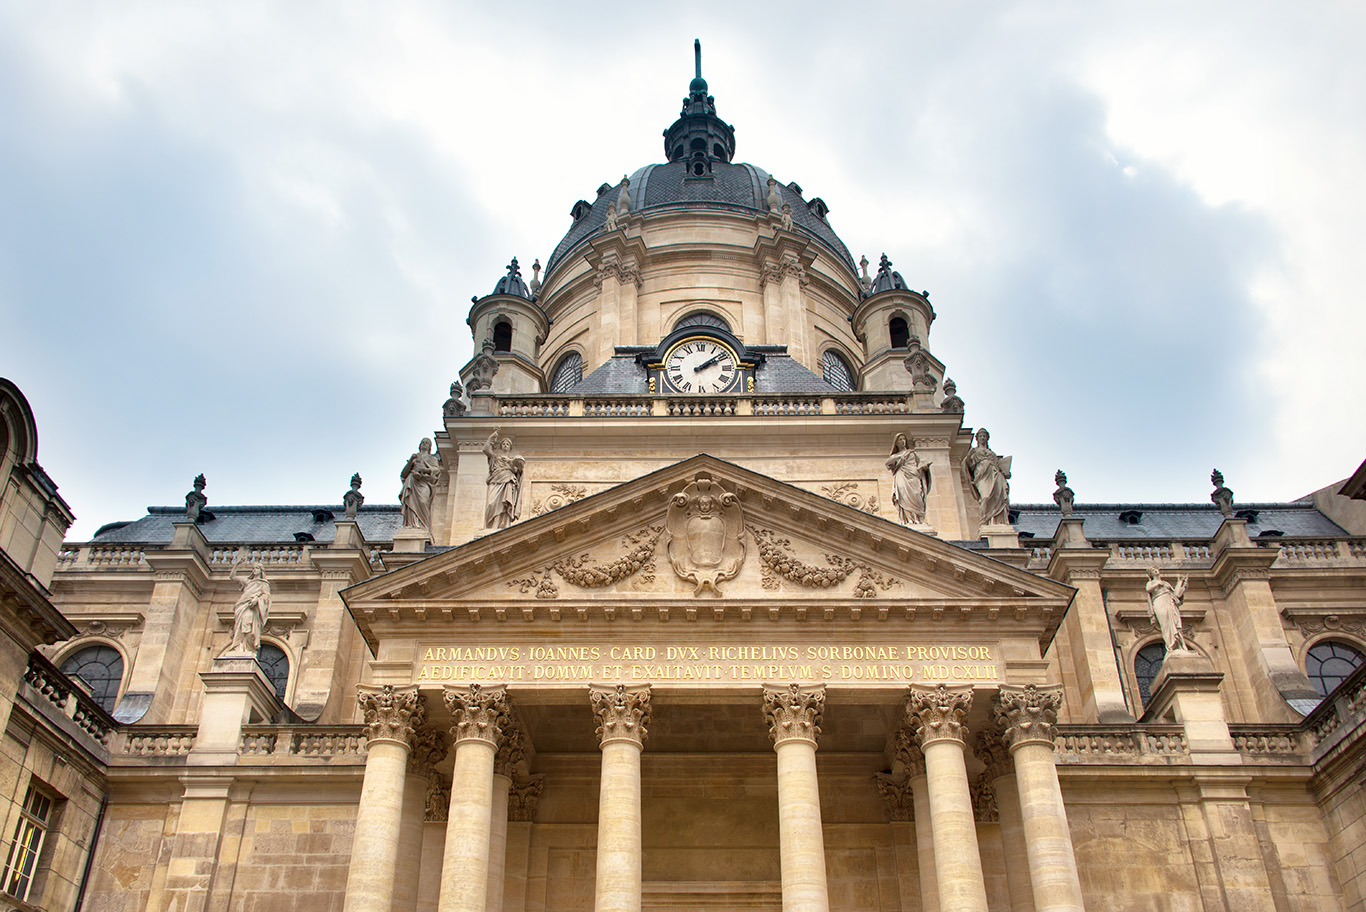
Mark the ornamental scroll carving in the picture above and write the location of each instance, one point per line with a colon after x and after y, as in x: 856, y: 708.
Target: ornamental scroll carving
x: 937, y: 713
x: 1028, y: 714
x: 389, y: 714
x: 586, y: 573
x: 777, y: 560
x: 480, y: 713
x: 794, y: 712
x: 622, y: 712
x: 703, y: 534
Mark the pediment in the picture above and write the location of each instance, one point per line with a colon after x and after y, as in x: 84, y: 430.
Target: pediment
x: 705, y: 537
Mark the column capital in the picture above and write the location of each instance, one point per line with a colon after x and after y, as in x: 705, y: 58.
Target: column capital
x: 937, y: 712
x: 522, y: 797
x: 438, y: 804
x: 897, y: 793
x: 511, y: 755
x: 994, y: 754
x: 1028, y: 714
x: 390, y: 713
x: 794, y: 712
x: 908, y: 753
x: 480, y: 713
x: 622, y: 712
x: 984, y: 807
x: 426, y: 748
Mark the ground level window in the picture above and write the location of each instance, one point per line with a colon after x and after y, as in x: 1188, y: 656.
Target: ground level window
x: 22, y: 860
x: 1330, y: 663
x: 1146, y: 665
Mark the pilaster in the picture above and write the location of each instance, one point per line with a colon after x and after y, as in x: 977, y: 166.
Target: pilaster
x: 343, y: 563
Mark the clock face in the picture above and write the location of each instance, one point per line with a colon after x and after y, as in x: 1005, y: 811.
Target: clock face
x: 700, y: 365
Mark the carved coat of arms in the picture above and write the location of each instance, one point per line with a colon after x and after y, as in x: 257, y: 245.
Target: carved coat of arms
x: 703, y: 534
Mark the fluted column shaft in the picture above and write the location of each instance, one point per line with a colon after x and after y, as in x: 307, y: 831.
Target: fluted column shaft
x: 480, y: 716
x: 1028, y: 715
x: 938, y: 714
x: 794, y: 715
x: 390, y: 716
x: 623, y: 714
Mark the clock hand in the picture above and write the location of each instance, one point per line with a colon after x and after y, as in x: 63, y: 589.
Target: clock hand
x: 707, y: 363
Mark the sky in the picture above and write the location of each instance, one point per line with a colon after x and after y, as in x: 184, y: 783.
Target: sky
x: 241, y: 238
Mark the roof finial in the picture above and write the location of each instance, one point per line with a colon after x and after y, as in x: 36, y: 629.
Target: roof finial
x: 697, y: 56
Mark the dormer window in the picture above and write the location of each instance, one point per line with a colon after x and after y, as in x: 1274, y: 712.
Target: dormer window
x: 1131, y: 517
x: 1249, y: 515
x: 502, y: 336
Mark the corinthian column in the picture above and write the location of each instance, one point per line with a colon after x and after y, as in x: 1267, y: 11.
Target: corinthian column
x: 622, y: 714
x: 1000, y: 773
x: 794, y: 720
x: 391, y: 718
x: 1029, y: 714
x: 428, y: 747
x: 511, y: 754
x: 937, y: 713
x: 480, y: 715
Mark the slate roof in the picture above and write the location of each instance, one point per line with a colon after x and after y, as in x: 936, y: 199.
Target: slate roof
x: 255, y: 524
x: 730, y: 186
x: 1175, y: 522
x: 620, y: 375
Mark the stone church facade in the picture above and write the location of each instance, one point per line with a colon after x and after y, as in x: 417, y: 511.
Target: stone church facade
x: 702, y: 596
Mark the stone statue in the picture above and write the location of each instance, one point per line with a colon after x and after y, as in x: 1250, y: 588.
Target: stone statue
x: 504, y: 504
x: 611, y: 223
x: 1164, y: 606
x: 251, y: 612
x: 988, y: 475
x: 455, y: 406
x: 787, y: 217
x: 195, y: 501
x: 951, y: 404
x: 910, y: 481
x: 1064, y: 495
x: 1222, y: 496
x: 353, y: 498
x: 775, y: 199
x: 624, y: 197
x: 419, y: 478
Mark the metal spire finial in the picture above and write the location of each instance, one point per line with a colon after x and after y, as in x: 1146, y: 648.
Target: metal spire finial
x: 697, y: 56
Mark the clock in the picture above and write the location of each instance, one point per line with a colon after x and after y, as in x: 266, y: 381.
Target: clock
x: 700, y: 365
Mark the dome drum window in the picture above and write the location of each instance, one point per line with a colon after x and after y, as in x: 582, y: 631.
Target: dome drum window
x: 837, y: 372
x: 567, y: 373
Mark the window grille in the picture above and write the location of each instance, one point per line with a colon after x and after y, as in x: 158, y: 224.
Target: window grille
x: 836, y: 372
x: 568, y: 373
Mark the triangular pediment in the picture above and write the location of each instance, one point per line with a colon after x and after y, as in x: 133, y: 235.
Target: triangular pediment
x: 706, y: 536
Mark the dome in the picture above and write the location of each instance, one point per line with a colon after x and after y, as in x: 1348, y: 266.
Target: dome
x: 512, y: 284
x: 731, y: 185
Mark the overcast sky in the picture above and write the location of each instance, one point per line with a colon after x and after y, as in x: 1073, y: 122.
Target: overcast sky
x: 241, y: 238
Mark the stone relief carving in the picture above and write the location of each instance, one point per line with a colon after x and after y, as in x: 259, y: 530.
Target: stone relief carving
x: 897, y: 794
x: 849, y: 494
x: 952, y: 404
x: 482, y: 369
x: 419, y: 477
x: 522, y: 798
x: 794, y: 712
x: 352, y: 499
x: 1063, y: 496
x: 910, y: 481
x: 455, y: 406
x: 1331, y: 623
x: 426, y: 748
x: 251, y: 611
x: 984, y: 809
x: 1222, y: 496
x: 1164, y: 607
x: 114, y: 630
x: 987, y: 475
x: 918, y: 363
x: 777, y: 560
x: 586, y: 573
x: 438, y: 805
x: 503, y: 505
x: 561, y: 495
x: 510, y: 758
x: 542, y: 586
x: 703, y: 534
x: 196, y: 500
x: 479, y: 713
x: 1028, y: 713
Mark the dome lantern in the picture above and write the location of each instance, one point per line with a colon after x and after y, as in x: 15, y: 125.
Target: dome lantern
x: 699, y: 137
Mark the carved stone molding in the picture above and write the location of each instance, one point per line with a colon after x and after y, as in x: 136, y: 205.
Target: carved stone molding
x: 1027, y: 714
x: 587, y: 573
x: 110, y: 628
x: 794, y: 712
x: 704, y: 534
x: 994, y: 754
x: 1312, y: 625
x: 612, y: 269
x: 984, y: 808
x: 482, y: 368
x: 391, y: 714
x: 555, y: 495
x: 622, y: 712
x: 480, y: 713
x: 522, y: 798
x: 438, y: 805
x: 426, y: 748
x: 852, y: 494
x: 937, y: 712
x: 897, y: 794
x: 511, y: 755
x: 777, y: 560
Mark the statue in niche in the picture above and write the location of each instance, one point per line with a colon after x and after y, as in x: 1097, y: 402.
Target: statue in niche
x: 1222, y: 496
x: 419, y: 478
x: 251, y: 612
x: 504, y: 504
x: 1063, y: 496
x: 1164, y: 606
x: 988, y: 475
x: 196, y: 501
x: 454, y: 407
x: 910, y: 481
x: 952, y: 404
x: 704, y: 534
x: 353, y: 498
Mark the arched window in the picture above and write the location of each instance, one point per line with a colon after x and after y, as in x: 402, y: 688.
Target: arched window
x: 836, y: 371
x: 1330, y: 663
x: 569, y: 372
x: 502, y: 336
x: 1146, y: 665
x: 275, y: 664
x: 101, y: 668
x: 703, y: 318
x: 899, y: 332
